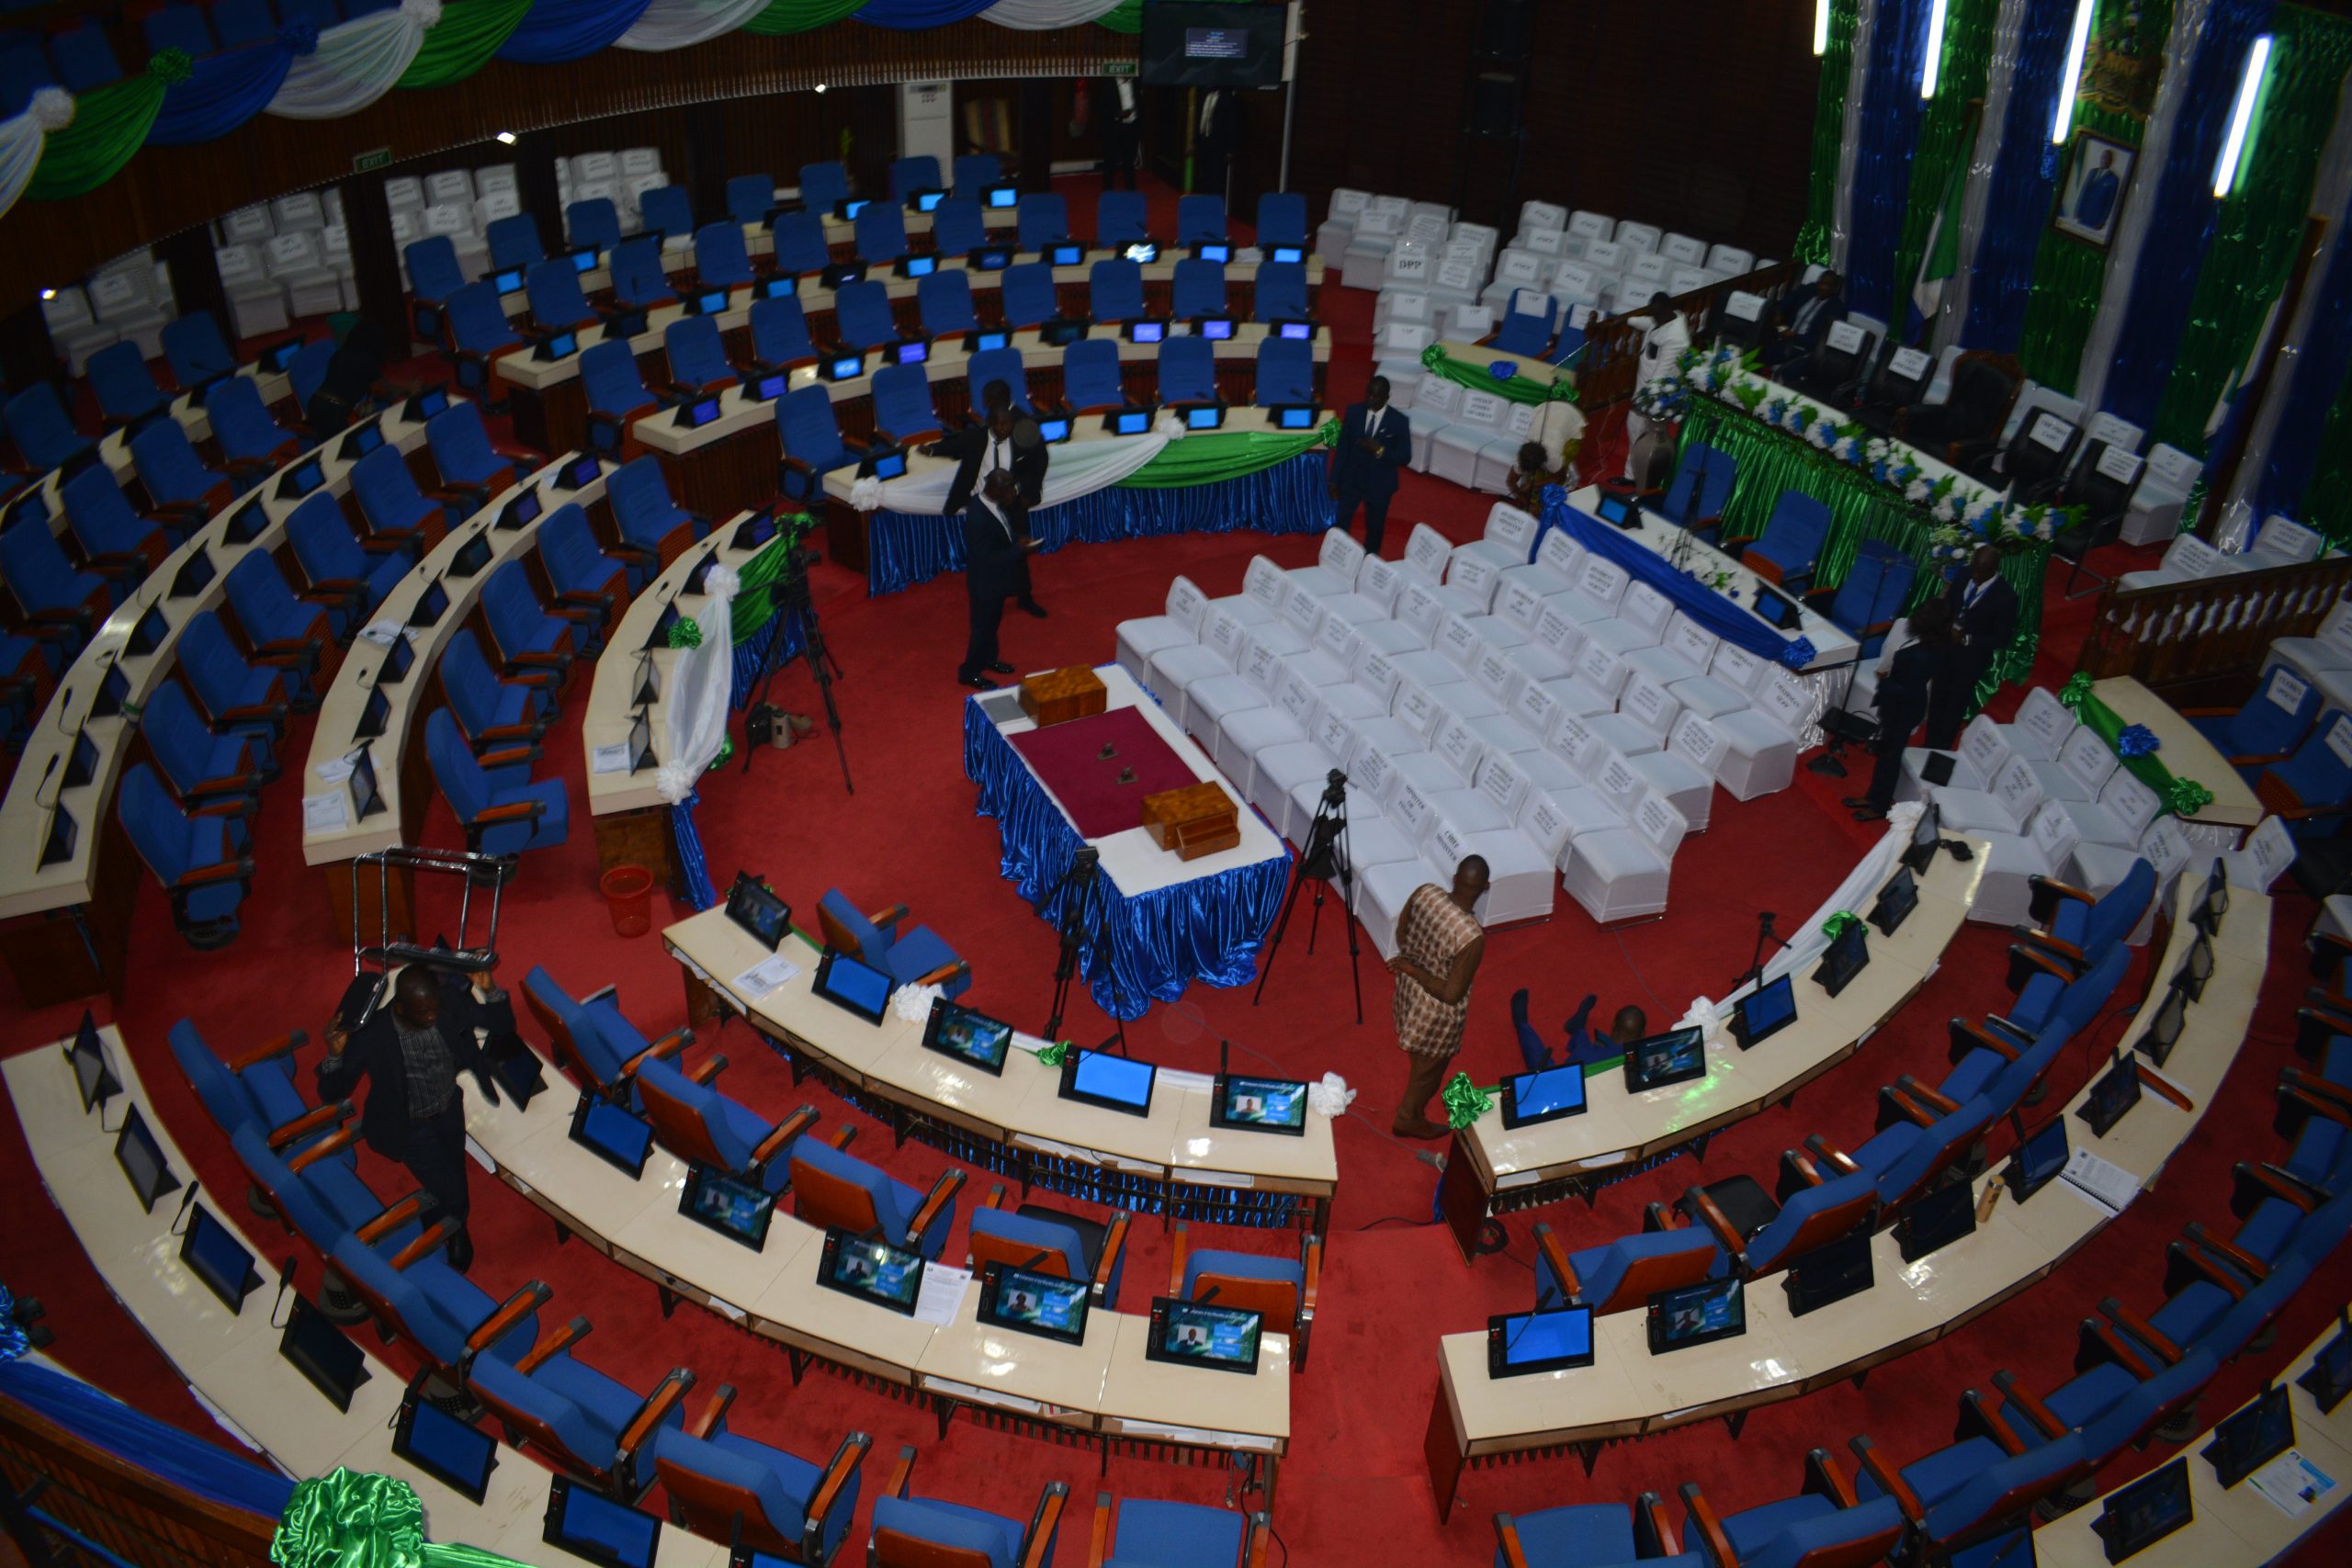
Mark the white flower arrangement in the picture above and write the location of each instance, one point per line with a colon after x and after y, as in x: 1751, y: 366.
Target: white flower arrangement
x: 1916, y: 491
x: 2045, y: 530
x: 1845, y: 451
x: 1169, y: 426
x: 866, y: 494
x: 1817, y: 433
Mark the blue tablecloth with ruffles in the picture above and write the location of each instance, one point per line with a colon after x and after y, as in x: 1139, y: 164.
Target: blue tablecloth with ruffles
x: 1154, y: 943
x: 903, y: 548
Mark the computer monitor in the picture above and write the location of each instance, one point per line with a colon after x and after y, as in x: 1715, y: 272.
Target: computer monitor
x: 245, y: 524
x: 612, y: 1133
x: 448, y: 1449
x: 193, y: 575
x: 1294, y: 416
x: 1001, y: 198
x: 2253, y: 1437
x: 147, y: 635
x: 912, y: 351
x: 853, y: 987
x: 2329, y: 1377
x: 924, y: 200
x: 520, y: 512
x: 1066, y: 254
x: 1519, y: 1343
x: 94, y: 1073
x: 1243, y: 1102
x: 1676, y: 1056
x: 1054, y: 429
x: 1828, y: 1273
x: 556, y: 345
x: 471, y: 556
x: 737, y: 1210
x: 871, y: 1270
x: 1920, y: 853
x: 1285, y: 254
x: 2038, y: 1160
x: 302, y: 478
x: 2145, y: 1512
x: 1777, y: 608
x: 277, y: 356
x: 1128, y: 421
x: 1895, y: 901
x: 1204, y: 416
x: 367, y: 800
x: 972, y: 1038
x: 1215, y: 329
x: 1530, y: 1099
x: 1296, y: 332
x: 1115, y: 1083
x: 754, y: 905
x: 1935, y: 1220
x: 991, y: 258
x: 393, y: 668
x: 920, y: 266
x: 1142, y: 252
x: 1849, y: 955
x: 1027, y: 1302
x: 1201, y: 1334
x: 361, y: 440
x: 986, y: 339
x: 508, y: 282
x: 588, y: 1524
x: 1147, y: 332
x: 214, y: 1255
x: 430, y: 606
x: 1696, y: 1314
x: 142, y: 1160
x: 423, y: 405
x: 2196, y: 968
x: 2116, y: 1092
x: 2164, y: 1028
x: 1764, y: 1012
x: 1218, y: 251
x: 323, y: 1353
x: 2215, y: 903
x: 695, y: 412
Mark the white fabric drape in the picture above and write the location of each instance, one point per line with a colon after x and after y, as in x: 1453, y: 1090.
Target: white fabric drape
x: 23, y: 138
x: 700, y: 683
x: 356, y: 64
x: 677, y: 24
x: 1039, y: 15
x: 1081, y: 467
x: 1841, y: 211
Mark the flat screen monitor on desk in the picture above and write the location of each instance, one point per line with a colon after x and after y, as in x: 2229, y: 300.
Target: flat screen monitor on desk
x: 1519, y: 1343
x: 1696, y: 1314
x: 1530, y: 1099
x: 2163, y: 1030
x: 214, y: 1255
x: 1027, y: 1302
x: 853, y: 987
x: 1936, y: 1220
x: 444, y: 1448
x: 93, y: 1072
x: 1065, y: 254
x: 1238, y: 1101
x: 1286, y: 256
x: 142, y: 1160
x: 1829, y: 1274
x: 2329, y: 1377
x: 1201, y: 1334
x: 2145, y: 1512
x: 1676, y: 1056
x: 2196, y: 968
x: 2039, y: 1159
x: 1764, y: 1012
x: 612, y: 1133
x: 753, y: 906
x: 588, y: 1524
x: 1778, y: 608
x: 2251, y: 1437
x: 1920, y: 853
x: 1848, y: 955
x: 324, y: 1354
x: 1115, y: 1083
x: 2116, y: 1092
x: 2207, y: 916
x: 871, y: 1270
x: 1895, y: 901
x: 972, y: 1038
x: 737, y: 1210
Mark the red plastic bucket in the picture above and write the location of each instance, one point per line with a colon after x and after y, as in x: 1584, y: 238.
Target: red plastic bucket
x: 628, y: 893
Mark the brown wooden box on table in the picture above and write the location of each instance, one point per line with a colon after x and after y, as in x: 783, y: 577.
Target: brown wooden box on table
x: 1196, y: 820
x: 1056, y: 697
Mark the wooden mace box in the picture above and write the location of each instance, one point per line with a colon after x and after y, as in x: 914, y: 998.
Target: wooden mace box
x: 1058, y: 696
x: 1196, y: 820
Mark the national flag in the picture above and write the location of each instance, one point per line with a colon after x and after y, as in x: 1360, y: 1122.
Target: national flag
x: 1941, y: 259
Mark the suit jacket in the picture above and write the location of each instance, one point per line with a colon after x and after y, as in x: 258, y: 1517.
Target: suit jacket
x: 1902, y: 691
x: 1986, y: 626
x: 373, y: 1053
x: 993, y: 557
x: 1354, y: 468
x: 1831, y: 312
x: 969, y: 447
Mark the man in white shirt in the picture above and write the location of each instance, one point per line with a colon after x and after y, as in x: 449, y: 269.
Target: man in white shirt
x: 1122, y: 130
x: 1666, y: 337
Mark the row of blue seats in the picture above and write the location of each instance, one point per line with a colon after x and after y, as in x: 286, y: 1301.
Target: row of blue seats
x: 197, y: 354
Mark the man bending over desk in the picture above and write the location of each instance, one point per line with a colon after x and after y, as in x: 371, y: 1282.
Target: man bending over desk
x: 1438, y: 945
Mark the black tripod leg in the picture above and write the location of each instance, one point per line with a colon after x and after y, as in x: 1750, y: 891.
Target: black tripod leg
x: 1347, y: 913
x: 1297, y: 880
x: 1315, y: 919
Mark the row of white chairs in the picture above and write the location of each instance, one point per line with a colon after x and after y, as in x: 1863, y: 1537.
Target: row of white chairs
x: 128, y: 298
x: 623, y: 177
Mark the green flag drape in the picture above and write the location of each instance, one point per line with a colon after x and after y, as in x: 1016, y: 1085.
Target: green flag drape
x: 2327, y: 500
x: 462, y: 42
x: 1207, y: 459
x: 1828, y: 133
x: 1478, y: 374
x: 800, y: 16
x: 110, y: 125
x: 2261, y: 224
x: 2135, y: 748
x: 1946, y: 128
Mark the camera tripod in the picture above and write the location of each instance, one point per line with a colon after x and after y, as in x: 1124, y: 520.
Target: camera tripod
x: 788, y: 596
x: 1080, y: 926
x: 1324, y: 857
x: 1766, y: 939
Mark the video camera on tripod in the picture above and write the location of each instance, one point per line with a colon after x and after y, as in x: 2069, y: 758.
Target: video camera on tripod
x: 790, y: 605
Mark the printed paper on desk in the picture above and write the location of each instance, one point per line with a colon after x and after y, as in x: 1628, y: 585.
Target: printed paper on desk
x: 943, y: 1293
x: 2292, y: 1483
x: 612, y: 759
x: 764, y: 977
x: 326, y: 813
x: 383, y: 633
x: 337, y: 770
x: 2102, y: 1184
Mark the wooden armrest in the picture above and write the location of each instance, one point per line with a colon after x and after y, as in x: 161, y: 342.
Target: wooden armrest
x: 903, y: 1473
x: 1180, y: 1243
x: 888, y: 917
x: 1967, y: 1037
x: 334, y: 1142
x: 529, y: 730
x: 783, y: 1134
x: 2161, y: 1088
x: 2039, y: 949
x: 508, y: 757
x: 707, y: 1068
x: 2139, y: 1329
x: 274, y: 713
x: 1115, y: 1243
x: 283, y: 1046
x: 1972, y: 1404
x: 212, y: 790
x: 1652, y: 1536
x: 385, y: 544
x: 2313, y: 1105
x: 667, y: 1046
x: 1824, y: 1479
x: 239, y: 806
x: 542, y: 659
x: 327, y: 588
x: 703, y: 1425
x: 2045, y: 1419
x: 1549, y: 1246
x: 840, y: 1473
x: 1703, y: 1209
x: 1942, y: 1104
x: 2316, y: 1087
x: 512, y: 811
x: 1890, y: 1481
x: 1908, y: 1106
x: 1310, y: 1260
x: 1830, y: 1153
x: 943, y: 1193
x: 944, y: 974
x: 511, y: 1311
x: 2062, y: 889
x: 2206, y: 1252
x: 2117, y: 1350
x: 840, y: 1136
x: 1507, y: 1542
x: 310, y: 1122
x: 435, y: 1235
x: 1802, y: 1166
x: 2259, y: 758
x: 653, y: 1412
x: 1098, y: 1540
x: 560, y: 1337
x: 995, y: 1198
x: 1701, y: 1515
x: 1037, y: 1546
x: 391, y: 1219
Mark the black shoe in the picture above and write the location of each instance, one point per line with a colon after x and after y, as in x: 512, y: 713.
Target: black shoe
x: 1855, y: 802
x: 1869, y: 814
x: 999, y: 667
x: 460, y: 1251
x: 1033, y: 608
x: 978, y: 682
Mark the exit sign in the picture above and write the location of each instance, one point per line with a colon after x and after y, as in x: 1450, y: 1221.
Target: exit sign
x: 363, y: 161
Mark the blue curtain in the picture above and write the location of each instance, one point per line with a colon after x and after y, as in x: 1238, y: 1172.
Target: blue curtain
x: 209, y: 1472
x: 1889, y: 132
x: 693, y: 872
x: 554, y: 32
x: 2025, y: 173
x: 222, y: 91
x: 755, y: 655
x: 2164, y: 281
x: 2319, y: 378
x: 904, y: 549
x: 1733, y: 623
x: 913, y: 14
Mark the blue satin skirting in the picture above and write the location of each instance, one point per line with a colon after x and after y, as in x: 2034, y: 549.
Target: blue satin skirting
x: 903, y: 548
x: 1158, y: 943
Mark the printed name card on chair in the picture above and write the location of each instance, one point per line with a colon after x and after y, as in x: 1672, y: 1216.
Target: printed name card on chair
x: 1196, y: 820
x: 1056, y: 696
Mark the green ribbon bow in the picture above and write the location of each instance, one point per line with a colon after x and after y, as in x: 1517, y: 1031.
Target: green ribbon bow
x: 171, y: 66
x: 684, y: 633
x: 1838, y: 922
x: 1053, y: 1055
x: 1330, y: 433
x: 2181, y: 797
x: 1465, y: 1101
x: 2185, y: 797
x: 1433, y: 358
x: 2076, y: 691
x: 726, y: 749
x: 349, y: 1519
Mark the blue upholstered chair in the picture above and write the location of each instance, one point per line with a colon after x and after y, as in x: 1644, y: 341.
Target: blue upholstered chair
x: 1042, y: 218
x: 654, y: 529
x: 1758, y: 1234
x: 515, y: 243
x: 499, y: 817
x: 909, y: 1531
x: 833, y: 1189
x: 1285, y: 372
x: 813, y: 443
x: 471, y: 468
x: 822, y: 184
x: 195, y: 351
x: 479, y: 333
x: 1114, y: 291
x: 1927, y: 1133
x: 1970, y: 1492
x: 880, y: 229
x: 61, y: 604
x: 943, y: 304
x: 1282, y: 219
x: 307, y: 1183
x: 909, y: 175
x: 1091, y: 380
x: 113, y: 537
x: 668, y: 211
x: 1004, y: 365
x: 255, y: 1090
x: 1120, y: 218
x: 1138, y: 1532
x: 392, y: 505
x: 594, y: 1040
x: 593, y: 1426
x: 588, y: 584
x: 523, y: 636
x: 183, y: 491
x: 975, y: 172
x: 558, y: 303
x: 1592, y: 1535
x: 43, y: 430
x: 350, y: 580
x: 278, y: 627
x: 800, y: 247
x: 780, y: 335
x: 1785, y: 552
x: 2308, y: 791
x: 494, y: 713
x: 697, y: 357
x: 721, y: 259
x: 1620, y: 1275
x: 918, y: 956
x: 251, y: 439
x: 1188, y: 371
x: 1283, y: 1289
x: 393, y: 1264
x: 1280, y: 292
x: 235, y: 694
x: 640, y: 280
x: 1050, y: 1241
x: 617, y: 398
x: 434, y: 276
x: 1199, y: 289
x: 200, y: 767
x: 306, y: 371
x: 1026, y: 297
x: 698, y: 1122
x: 126, y: 388
x: 750, y: 198
x: 902, y: 407
x: 1876, y: 588
x: 724, y: 1486
x: 200, y: 857
x: 957, y: 227
x: 593, y: 224
x: 2078, y: 929
x: 862, y: 318
x: 1527, y: 333
x: 1823, y: 1526
x: 2265, y: 729
x: 1200, y: 220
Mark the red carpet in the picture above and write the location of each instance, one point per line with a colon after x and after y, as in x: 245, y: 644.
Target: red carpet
x: 1081, y: 762
x: 1353, y: 1490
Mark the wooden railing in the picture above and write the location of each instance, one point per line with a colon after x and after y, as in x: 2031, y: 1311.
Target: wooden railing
x: 128, y: 1512
x: 2204, y: 641
x: 1612, y: 344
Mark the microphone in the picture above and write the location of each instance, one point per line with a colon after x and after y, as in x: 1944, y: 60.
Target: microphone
x: 179, y: 1219
x: 285, y: 1283
x: 1039, y: 1257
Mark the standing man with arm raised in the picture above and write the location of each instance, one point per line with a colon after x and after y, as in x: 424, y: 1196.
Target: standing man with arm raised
x: 1985, y: 609
x: 1438, y: 945
x: 1375, y: 442
x: 1006, y: 439
x: 995, y: 541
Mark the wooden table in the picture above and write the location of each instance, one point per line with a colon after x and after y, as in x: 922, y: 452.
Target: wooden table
x: 2188, y: 754
x: 1627, y: 1392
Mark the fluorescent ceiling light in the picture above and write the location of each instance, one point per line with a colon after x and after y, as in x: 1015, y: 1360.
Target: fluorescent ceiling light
x: 2238, y: 147
x: 1929, y: 67
x: 2076, y: 43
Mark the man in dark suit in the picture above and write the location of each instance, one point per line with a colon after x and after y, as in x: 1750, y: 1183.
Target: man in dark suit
x: 411, y: 1052
x: 996, y: 541
x: 1985, y: 609
x: 1804, y: 323
x: 1006, y: 439
x: 1375, y: 442
x: 1122, y: 130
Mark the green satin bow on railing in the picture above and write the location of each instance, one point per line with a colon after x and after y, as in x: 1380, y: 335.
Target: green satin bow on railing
x: 1465, y: 1101
x: 1479, y: 377
x: 348, y: 1518
x: 2181, y: 797
x: 1053, y: 1055
x: 1838, y: 922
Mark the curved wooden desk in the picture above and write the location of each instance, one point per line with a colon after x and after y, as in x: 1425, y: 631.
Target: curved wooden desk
x: 1628, y: 1393
x: 63, y: 927
x: 114, y: 446
x: 2233, y: 810
x: 1017, y: 1125
x: 231, y: 1359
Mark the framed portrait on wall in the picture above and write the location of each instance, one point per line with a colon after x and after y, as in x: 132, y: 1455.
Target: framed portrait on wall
x: 2090, y: 197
